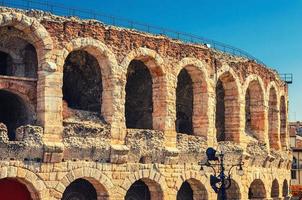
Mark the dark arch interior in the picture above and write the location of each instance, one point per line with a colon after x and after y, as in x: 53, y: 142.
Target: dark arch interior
x: 28, y: 65
x: 11, y: 189
x: 30, y: 61
x: 254, y: 110
x: 82, y: 82
x: 285, y: 189
x: 80, y: 189
x: 5, y: 63
x: 139, y: 105
x: 13, y: 112
x: 233, y: 192
x: 283, y: 121
x: 248, y: 114
x: 275, y: 189
x: 138, y: 191
x: 184, y: 103
x: 220, y: 112
x: 273, y: 113
x: 256, y: 190
x: 185, y: 192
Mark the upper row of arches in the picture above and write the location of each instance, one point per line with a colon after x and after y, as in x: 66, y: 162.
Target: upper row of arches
x: 146, y: 89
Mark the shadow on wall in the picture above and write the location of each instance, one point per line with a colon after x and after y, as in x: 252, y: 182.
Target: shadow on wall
x: 139, y: 104
x: 184, y: 103
x: 82, y: 82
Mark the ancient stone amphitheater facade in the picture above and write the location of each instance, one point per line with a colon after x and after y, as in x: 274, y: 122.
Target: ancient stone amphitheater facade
x: 92, y: 111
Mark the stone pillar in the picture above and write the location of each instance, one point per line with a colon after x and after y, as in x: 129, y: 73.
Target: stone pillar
x: 112, y: 108
x: 211, y: 109
x: 169, y: 109
x: 266, y: 132
x: 49, y: 112
x: 113, y: 111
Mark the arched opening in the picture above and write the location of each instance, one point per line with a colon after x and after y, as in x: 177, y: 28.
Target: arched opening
x: 12, y: 189
x: 17, y: 57
x: 185, y: 192
x: 273, y: 119
x: 283, y: 122
x: 82, y: 189
x: 184, y: 103
x: 192, y: 190
x: 144, y: 189
x: 139, y: 104
x: 233, y: 192
x: 31, y: 61
x: 285, y: 189
x: 220, y: 112
x: 275, y: 189
x: 227, y: 109
x: 82, y: 82
x: 13, y: 112
x: 254, y: 110
x: 257, y: 190
x: 5, y: 63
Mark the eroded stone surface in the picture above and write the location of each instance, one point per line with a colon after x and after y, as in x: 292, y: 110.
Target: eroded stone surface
x: 97, y: 146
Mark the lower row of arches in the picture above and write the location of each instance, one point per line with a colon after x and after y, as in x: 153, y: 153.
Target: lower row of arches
x: 142, y: 189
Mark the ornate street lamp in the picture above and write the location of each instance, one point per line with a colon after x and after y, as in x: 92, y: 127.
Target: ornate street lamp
x: 219, y: 182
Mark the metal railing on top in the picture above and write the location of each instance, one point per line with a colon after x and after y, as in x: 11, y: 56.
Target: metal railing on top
x: 60, y: 9
x: 287, y: 77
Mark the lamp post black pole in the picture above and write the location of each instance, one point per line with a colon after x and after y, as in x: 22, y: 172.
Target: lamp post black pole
x: 222, y: 176
x: 221, y: 182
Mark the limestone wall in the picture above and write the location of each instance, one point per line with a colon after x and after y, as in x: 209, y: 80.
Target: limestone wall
x: 93, y: 142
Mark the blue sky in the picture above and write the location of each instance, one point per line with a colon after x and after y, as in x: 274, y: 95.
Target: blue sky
x: 270, y: 30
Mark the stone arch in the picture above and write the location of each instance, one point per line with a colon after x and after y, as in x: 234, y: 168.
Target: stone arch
x: 233, y: 192
x: 34, y: 184
x: 227, y: 123
x: 275, y: 189
x: 21, y: 90
x: 198, y: 180
x: 40, y: 38
x: 196, y: 70
x: 148, y: 56
x: 236, y: 190
x: 257, y: 190
x: 273, y: 117
x: 95, y: 177
x: 15, y: 111
x: 285, y: 188
x: 42, y: 41
x: 283, y: 122
x: 153, y: 179
x: 108, y: 66
x: 154, y: 63
x: 198, y: 190
x: 18, y: 56
x: 82, y: 82
x: 254, y: 93
x: 84, y: 188
x: 144, y: 189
